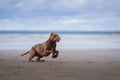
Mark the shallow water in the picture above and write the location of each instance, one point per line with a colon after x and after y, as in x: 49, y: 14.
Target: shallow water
x: 69, y: 41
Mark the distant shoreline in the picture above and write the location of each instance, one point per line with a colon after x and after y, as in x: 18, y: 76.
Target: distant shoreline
x: 60, y: 32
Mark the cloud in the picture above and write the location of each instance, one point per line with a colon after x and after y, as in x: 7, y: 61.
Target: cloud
x: 30, y: 5
x: 8, y: 24
x: 58, y: 7
x: 59, y: 15
x: 73, y: 21
x: 53, y: 5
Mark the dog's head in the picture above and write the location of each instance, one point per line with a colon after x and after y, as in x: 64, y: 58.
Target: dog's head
x: 54, y: 37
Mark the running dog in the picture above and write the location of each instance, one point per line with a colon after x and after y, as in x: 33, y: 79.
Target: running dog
x: 45, y: 49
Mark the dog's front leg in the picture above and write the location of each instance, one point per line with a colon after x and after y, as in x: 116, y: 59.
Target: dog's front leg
x: 47, y: 51
x: 55, y: 54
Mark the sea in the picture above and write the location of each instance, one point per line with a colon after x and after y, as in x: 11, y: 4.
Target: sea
x: 69, y: 39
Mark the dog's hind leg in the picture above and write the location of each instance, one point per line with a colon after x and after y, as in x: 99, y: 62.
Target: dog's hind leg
x: 38, y: 58
x: 32, y: 54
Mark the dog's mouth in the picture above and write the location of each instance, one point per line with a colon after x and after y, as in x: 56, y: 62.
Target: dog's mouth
x: 58, y: 39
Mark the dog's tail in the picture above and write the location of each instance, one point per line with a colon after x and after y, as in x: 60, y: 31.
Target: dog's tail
x: 25, y: 53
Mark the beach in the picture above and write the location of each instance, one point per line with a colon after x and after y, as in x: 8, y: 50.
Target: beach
x: 72, y: 64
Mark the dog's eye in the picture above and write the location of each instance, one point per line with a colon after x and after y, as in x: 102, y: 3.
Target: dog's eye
x: 55, y: 35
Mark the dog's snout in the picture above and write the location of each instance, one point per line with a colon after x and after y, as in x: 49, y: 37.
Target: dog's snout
x: 58, y: 39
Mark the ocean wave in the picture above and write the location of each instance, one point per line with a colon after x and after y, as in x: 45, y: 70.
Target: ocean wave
x: 20, y: 41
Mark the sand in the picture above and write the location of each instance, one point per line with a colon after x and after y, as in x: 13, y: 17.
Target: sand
x: 82, y: 64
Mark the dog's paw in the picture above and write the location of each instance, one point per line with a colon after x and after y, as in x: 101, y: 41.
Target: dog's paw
x: 55, y: 56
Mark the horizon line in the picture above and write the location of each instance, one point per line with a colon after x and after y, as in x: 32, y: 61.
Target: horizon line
x: 61, y: 32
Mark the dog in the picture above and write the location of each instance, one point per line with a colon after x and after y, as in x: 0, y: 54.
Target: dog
x: 45, y: 49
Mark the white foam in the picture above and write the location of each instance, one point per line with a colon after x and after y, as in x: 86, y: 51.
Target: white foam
x: 67, y: 41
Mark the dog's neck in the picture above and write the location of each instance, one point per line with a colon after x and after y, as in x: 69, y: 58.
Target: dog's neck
x: 51, y: 41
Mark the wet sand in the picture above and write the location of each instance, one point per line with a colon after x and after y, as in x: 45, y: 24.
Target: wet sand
x: 82, y: 64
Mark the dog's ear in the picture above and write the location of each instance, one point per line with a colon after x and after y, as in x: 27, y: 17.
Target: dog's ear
x: 51, y: 33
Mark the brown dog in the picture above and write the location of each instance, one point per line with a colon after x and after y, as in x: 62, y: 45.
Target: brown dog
x: 45, y: 49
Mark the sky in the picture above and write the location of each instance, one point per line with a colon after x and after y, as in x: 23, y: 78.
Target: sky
x: 60, y: 15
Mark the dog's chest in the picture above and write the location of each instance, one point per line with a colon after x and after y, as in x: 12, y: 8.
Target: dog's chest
x: 50, y: 46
